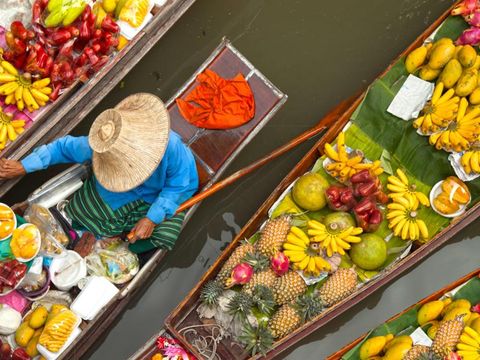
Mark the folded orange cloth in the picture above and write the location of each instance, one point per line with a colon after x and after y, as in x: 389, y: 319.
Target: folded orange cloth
x: 218, y: 103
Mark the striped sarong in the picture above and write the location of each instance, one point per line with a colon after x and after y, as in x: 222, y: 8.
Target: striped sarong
x: 90, y: 212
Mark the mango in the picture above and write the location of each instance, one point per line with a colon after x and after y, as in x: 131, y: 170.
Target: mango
x: 24, y: 334
x: 399, y: 339
x: 415, y: 59
x: 463, y: 303
x: 429, y: 311
x: 31, y: 348
x: 476, y: 65
x: 441, y: 55
x: 458, y: 312
x: 397, y: 352
x: 374, y: 346
x: 467, y: 56
x: 428, y: 74
x: 39, y: 317
x: 451, y: 73
x: 475, y: 325
x: 474, y: 98
x: 457, y: 50
x: 442, y: 41
x: 467, y: 82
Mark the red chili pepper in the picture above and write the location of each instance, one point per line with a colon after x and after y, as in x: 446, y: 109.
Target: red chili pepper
x: 364, y: 206
x: 361, y: 176
x: 19, y: 30
x: 92, y: 57
x: 60, y: 36
x: 108, y: 24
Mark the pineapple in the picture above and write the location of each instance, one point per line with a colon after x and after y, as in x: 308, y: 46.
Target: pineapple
x: 273, y: 236
x: 266, y: 278
x: 418, y: 352
x: 263, y: 298
x: 291, y: 316
x: 240, y: 304
x: 447, y: 337
x: 258, y: 261
x: 338, y: 286
x: 288, y: 287
x: 236, y: 258
x: 211, y: 292
x: 256, y: 340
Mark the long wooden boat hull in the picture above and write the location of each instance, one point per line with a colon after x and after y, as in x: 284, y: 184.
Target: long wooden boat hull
x: 435, y: 296
x: 227, y: 61
x: 185, y: 315
x: 63, y: 115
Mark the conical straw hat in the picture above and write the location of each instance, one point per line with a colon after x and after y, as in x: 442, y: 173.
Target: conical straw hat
x: 129, y: 141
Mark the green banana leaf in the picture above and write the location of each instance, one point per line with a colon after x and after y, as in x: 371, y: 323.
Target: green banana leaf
x: 407, y: 323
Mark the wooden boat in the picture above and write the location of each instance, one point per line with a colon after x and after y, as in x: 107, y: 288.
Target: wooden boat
x: 213, y: 150
x: 184, y: 317
x: 435, y: 296
x: 63, y: 115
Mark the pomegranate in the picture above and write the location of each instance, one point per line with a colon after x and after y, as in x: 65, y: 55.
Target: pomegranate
x: 280, y: 263
x: 241, y: 274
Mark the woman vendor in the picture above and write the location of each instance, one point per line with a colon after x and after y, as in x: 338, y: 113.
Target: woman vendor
x: 142, y: 173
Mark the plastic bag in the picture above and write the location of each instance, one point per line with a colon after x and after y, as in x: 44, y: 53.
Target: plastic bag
x: 54, y: 239
x: 116, y: 262
x: 12, y: 10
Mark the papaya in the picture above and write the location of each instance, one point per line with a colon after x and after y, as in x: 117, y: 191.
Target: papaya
x: 467, y: 82
x: 467, y: 56
x: 451, y: 73
x: 416, y: 59
x: 441, y: 55
x: 429, y: 74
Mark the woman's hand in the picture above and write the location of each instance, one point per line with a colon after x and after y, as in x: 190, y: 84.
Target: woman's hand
x: 10, y: 169
x: 142, y: 230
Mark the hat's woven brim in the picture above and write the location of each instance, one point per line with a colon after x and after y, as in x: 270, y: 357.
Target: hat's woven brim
x: 138, y: 147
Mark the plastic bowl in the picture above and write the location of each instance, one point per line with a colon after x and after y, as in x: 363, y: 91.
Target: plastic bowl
x: 37, y: 294
x: 68, y: 278
x: 437, y: 190
x: 38, y: 240
x: 14, y: 221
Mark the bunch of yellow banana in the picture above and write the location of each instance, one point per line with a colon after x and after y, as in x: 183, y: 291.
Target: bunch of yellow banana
x: 461, y: 133
x: 469, y: 346
x: 19, y: 89
x: 344, y: 165
x: 9, y: 128
x: 333, y: 242
x: 471, y: 161
x: 402, y: 218
x: 304, y: 254
x: 400, y: 185
x: 439, y: 111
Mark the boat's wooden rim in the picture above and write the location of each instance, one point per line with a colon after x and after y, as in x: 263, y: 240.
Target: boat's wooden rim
x: 77, y: 102
x: 188, y: 304
x: 436, y: 295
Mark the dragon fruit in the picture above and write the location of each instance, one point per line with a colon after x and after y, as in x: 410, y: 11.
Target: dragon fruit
x: 241, y: 274
x: 469, y: 37
x: 280, y: 263
x: 466, y: 7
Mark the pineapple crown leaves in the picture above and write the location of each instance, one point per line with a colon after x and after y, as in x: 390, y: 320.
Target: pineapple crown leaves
x: 211, y: 292
x: 308, y: 306
x: 240, y: 304
x: 258, y: 261
x: 262, y: 297
x: 257, y: 340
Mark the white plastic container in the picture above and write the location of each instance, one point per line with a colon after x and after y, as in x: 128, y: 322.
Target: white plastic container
x: 67, y: 271
x: 52, y: 356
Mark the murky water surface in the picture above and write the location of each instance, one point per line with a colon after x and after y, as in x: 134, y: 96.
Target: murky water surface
x: 318, y: 52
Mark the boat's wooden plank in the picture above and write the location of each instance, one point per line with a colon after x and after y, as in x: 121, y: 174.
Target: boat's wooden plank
x: 184, y: 315
x: 436, y: 295
x: 70, y: 110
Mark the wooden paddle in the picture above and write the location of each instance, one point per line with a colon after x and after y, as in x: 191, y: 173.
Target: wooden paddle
x: 324, y: 123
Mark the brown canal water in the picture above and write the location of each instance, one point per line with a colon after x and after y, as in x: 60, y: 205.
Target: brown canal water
x: 319, y: 53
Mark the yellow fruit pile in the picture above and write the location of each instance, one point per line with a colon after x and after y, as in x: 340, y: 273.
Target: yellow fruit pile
x: 438, y: 112
x: 399, y: 186
x: 455, y: 66
x: 460, y: 133
x: 20, y: 90
x: 454, y: 194
x: 386, y: 347
x: 24, y: 243
x: 469, y: 345
x: 29, y: 331
x: 9, y: 128
x: 333, y: 242
x: 303, y: 253
x: 57, y: 330
x: 470, y: 161
x: 344, y: 165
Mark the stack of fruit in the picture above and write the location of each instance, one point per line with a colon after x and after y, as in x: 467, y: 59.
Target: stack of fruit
x: 7, y: 221
x: 453, y: 196
x: 25, y: 242
x: 470, y: 10
x: 11, y: 273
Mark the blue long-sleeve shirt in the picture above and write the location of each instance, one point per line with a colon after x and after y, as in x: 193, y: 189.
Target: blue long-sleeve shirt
x: 173, y: 182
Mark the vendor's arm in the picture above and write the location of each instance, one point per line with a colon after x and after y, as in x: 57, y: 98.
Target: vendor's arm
x: 65, y: 150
